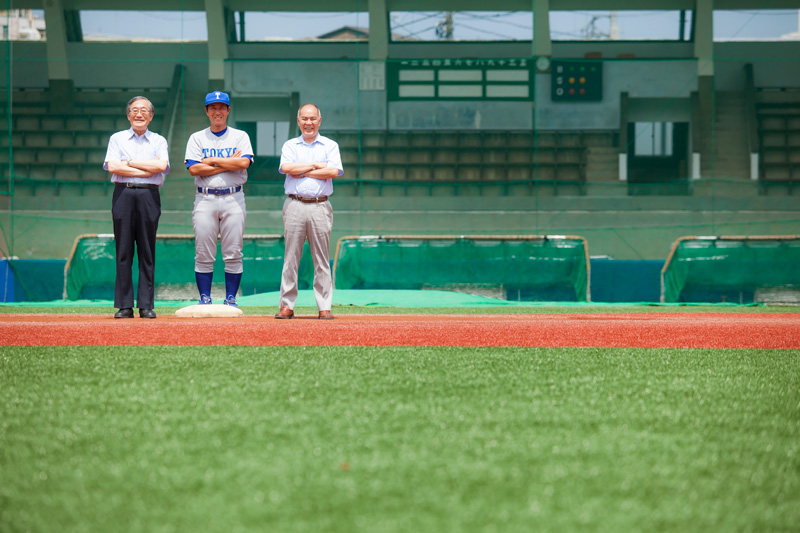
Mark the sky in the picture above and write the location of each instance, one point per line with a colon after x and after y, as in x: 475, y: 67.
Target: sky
x: 485, y: 25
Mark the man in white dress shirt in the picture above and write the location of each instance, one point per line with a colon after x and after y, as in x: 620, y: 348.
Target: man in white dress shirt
x: 310, y: 162
x: 138, y: 160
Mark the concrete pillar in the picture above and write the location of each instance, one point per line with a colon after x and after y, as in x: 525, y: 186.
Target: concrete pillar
x: 217, y: 44
x: 61, y: 86
x: 542, y: 44
x: 704, y: 53
x: 623, y: 136
x: 378, y: 30
x: 294, y: 108
x: 704, y: 37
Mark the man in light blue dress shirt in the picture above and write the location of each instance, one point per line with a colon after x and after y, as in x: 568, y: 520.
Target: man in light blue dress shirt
x: 310, y: 163
x: 138, y: 160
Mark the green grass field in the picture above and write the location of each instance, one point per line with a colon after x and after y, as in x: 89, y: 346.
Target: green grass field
x: 389, y: 310
x: 356, y: 439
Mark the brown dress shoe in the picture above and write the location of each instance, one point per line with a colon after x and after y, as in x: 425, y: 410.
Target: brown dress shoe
x: 325, y: 315
x: 285, y: 312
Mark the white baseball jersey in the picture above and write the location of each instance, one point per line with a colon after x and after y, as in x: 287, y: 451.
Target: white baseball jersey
x: 205, y: 144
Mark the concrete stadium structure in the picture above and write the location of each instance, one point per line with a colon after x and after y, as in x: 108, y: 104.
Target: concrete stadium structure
x: 422, y: 157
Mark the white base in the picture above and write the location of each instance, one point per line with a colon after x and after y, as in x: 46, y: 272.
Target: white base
x: 209, y: 311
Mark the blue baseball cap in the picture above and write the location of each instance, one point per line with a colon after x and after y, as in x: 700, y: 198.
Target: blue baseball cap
x: 218, y: 96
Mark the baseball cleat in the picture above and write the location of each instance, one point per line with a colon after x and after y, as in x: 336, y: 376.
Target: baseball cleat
x: 204, y: 300
x: 231, y: 300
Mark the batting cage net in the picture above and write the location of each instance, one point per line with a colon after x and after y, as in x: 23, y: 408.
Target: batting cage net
x: 733, y: 269
x: 531, y: 268
x: 90, y: 271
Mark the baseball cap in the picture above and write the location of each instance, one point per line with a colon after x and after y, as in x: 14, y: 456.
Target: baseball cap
x: 218, y: 96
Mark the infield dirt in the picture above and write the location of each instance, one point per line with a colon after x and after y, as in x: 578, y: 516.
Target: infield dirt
x: 635, y: 330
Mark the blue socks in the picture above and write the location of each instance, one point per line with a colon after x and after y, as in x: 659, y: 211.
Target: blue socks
x: 204, y: 282
x: 232, y: 282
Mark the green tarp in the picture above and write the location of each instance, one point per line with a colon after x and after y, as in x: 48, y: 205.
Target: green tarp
x: 92, y: 269
x: 534, y: 269
x: 699, y: 266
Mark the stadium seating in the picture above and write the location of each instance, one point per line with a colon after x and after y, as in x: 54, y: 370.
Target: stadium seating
x: 64, y: 150
x: 778, y: 114
x: 53, y: 150
x: 468, y: 162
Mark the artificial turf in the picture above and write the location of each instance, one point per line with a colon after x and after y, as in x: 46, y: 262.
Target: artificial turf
x: 398, y: 439
x: 546, y: 308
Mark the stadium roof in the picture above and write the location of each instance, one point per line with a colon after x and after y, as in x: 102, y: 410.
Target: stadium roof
x: 409, y: 5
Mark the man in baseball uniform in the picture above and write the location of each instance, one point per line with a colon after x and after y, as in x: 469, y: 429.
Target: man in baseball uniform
x: 218, y: 158
x: 310, y: 163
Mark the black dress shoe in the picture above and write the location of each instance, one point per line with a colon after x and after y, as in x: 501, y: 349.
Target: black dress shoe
x: 147, y: 313
x: 125, y: 312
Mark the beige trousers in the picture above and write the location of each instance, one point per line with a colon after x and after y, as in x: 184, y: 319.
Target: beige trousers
x: 314, y: 222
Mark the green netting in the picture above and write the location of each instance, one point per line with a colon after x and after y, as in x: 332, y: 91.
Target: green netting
x: 729, y: 267
x: 526, y: 268
x: 91, y: 270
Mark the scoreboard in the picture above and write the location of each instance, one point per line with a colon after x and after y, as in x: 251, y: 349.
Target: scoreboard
x: 576, y: 81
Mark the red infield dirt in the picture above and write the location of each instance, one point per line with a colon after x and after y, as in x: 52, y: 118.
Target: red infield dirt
x: 635, y: 330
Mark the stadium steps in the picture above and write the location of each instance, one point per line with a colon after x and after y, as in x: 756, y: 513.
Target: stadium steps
x: 731, y: 152
x: 178, y: 182
x: 602, y: 164
x: 602, y: 172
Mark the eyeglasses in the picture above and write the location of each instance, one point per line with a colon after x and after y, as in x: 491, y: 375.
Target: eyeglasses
x: 136, y: 110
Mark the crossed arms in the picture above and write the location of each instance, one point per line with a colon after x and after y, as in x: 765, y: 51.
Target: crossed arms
x: 210, y: 166
x: 320, y: 171
x: 140, y: 168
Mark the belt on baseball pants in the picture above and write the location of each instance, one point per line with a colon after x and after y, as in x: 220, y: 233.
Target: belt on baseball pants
x: 308, y: 200
x: 129, y: 185
x: 219, y: 192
